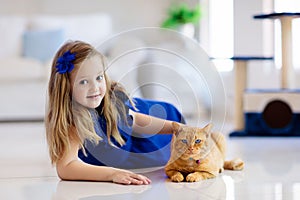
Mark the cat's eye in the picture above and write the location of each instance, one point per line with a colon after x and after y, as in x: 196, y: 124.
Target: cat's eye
x: 197, y: 141
x: 184, y: 141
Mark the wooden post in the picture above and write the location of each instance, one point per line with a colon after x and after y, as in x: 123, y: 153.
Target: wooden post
x: 287, y: 71
x: 240, y: 67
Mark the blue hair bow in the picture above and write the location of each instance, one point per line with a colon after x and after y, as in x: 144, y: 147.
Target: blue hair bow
x: 64, y: 62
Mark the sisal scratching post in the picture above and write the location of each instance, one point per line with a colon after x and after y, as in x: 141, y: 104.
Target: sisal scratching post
x: 287, y: 71
x: 240, y: 85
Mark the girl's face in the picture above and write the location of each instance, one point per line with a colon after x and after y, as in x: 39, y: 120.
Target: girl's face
x: 88, y: 83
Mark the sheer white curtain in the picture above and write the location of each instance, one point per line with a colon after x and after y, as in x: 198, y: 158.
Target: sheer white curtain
x: 220, y: 26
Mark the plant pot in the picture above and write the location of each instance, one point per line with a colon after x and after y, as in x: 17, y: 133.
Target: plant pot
x: 187, y: 30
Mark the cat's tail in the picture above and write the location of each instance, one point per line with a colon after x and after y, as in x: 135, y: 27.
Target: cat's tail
x: 235, y: 164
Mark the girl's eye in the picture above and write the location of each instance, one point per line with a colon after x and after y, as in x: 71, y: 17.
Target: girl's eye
x: 197, y: 141
x: 100, y: 77
x: 184, y: 141
x: 83, y: 82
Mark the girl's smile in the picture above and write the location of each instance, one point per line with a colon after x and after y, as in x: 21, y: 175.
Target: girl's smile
x: 94, y: 97
x: 88, y: 83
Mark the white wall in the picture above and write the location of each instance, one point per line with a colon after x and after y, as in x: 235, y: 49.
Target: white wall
x: 248, y: 32
x: 126, y: 14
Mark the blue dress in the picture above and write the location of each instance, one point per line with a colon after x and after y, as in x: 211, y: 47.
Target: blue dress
x: 140, y: 150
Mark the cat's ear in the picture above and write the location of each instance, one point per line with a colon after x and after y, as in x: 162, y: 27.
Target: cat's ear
x: 175, y: 127
x: 207, y: 129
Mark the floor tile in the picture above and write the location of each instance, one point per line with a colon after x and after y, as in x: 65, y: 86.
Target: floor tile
x: 271, y: 172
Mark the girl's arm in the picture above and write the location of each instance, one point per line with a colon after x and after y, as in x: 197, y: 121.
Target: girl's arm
x: 148, y: 124
x: 70, y: 168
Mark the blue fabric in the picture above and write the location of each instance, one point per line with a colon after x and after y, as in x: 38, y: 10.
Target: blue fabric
x: 140, y: 150
x: 277, y: 15
x: 42, y: 45
x: 256, y: 125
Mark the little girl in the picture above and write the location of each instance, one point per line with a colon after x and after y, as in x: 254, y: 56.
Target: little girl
x: 92, y: 118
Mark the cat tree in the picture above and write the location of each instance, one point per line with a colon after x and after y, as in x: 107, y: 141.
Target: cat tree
x: 268, y: 112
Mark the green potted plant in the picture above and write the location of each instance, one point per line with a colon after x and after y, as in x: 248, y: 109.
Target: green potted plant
x: 181, y: 16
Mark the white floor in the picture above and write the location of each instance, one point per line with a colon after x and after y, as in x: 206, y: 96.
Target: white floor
x: 271, y: 173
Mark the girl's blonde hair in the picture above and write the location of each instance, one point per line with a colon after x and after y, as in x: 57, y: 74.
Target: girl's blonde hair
x: 66, y: 119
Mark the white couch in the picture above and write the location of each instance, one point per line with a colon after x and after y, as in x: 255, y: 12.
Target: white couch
x: 27, y: 45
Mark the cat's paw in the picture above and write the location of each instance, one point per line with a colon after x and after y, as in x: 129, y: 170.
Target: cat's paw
x: 237, y: 164
x: 178, y: 177
x: 193, y: 177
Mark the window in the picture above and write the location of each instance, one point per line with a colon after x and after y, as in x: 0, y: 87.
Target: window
x: 221, y: 33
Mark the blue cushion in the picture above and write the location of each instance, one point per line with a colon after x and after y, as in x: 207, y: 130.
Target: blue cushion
x: 42, y: 44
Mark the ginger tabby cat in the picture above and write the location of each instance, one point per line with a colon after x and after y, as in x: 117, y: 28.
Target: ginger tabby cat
x: 197, y: 154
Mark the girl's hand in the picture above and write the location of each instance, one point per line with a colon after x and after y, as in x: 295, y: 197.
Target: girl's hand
x: 127, y: 178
